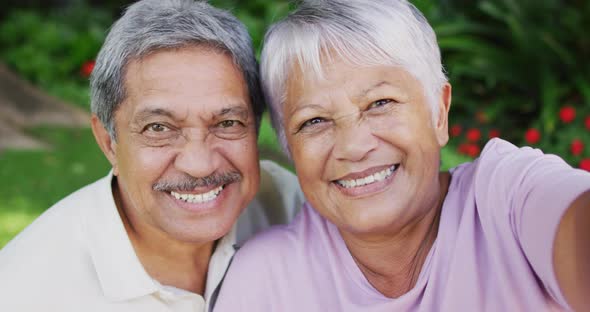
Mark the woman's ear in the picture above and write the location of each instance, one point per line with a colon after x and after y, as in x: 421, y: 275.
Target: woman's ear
x: 442, y: 123
x: 105, y: 142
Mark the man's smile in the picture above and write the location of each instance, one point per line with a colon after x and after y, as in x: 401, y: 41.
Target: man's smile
x: 198, y: 198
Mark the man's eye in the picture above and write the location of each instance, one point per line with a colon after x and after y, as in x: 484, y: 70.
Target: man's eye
x: 156, y: 127
x: 312, y: 122
x: 380, y: 103
x: 229, y: 124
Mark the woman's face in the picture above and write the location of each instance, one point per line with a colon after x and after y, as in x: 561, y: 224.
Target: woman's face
x: 365, y: 146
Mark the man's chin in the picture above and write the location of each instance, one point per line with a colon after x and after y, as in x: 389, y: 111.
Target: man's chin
x: 203, y: 232
x: 203, y: 219
x: 201, y: 225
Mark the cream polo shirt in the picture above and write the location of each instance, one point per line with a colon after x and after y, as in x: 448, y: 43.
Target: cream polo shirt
x: 78, y: 257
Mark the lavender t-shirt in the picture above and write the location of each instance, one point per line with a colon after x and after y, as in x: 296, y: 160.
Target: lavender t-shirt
x: 493, y: 251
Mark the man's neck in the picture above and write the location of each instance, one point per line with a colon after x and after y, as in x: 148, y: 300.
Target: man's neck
x: 393, y: 262
x: 173, y: 263
x: 170, y: 262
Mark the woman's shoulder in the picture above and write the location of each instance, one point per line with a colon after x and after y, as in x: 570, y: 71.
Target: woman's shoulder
x: 503, y: 163
x: 500, y: 154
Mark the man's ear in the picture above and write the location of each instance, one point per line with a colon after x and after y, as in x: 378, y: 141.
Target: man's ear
x: 105, y: 142
x: 442, y: 123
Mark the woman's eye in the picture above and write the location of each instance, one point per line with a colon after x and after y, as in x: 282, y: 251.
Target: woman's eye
x: 380, y: 103
x: 312, y: 122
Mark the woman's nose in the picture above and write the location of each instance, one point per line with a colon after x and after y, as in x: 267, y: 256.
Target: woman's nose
x: 354, y: 139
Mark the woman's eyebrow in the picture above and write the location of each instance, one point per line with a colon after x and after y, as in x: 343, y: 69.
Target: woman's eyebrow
x: 306, y: 107
x: 364, y: 92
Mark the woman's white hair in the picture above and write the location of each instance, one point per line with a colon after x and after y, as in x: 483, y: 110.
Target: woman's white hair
x: 362, y: 32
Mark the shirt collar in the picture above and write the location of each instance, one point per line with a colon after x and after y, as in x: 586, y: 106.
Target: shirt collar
x: 219, y: 262
x: 119, y: 271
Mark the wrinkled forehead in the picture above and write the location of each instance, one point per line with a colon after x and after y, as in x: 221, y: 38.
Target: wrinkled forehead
x: 196, y: 78
x: 305, y: 74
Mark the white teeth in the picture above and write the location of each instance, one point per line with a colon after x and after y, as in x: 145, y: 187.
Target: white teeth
x: 198, y: 198
x: 375, y: 177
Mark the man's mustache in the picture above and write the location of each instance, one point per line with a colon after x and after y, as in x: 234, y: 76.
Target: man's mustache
x: 189, y: 183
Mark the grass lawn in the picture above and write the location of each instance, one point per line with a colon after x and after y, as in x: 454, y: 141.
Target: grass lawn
x: 35, y: 180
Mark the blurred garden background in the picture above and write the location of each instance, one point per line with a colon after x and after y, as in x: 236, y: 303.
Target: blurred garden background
x: 519, y: 70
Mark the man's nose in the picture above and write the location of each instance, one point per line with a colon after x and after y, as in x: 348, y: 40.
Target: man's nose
x: 354, y: 139
x: 197, y: 157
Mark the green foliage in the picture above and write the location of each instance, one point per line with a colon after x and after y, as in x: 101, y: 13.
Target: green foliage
x: 515, y: 64
x: 49, y: 49
x: 257, y: 15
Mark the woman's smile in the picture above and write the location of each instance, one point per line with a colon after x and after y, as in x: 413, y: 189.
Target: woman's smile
x: 368, y: 182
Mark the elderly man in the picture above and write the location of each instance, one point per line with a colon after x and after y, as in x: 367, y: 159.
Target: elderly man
x: 176, y: 108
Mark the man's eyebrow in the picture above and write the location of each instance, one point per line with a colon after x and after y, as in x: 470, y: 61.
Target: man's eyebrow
x: 234, y: 110
x: 151, y: 112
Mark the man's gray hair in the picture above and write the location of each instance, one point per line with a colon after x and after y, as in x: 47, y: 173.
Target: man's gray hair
x: 364, y: 33
x: 152, y: 25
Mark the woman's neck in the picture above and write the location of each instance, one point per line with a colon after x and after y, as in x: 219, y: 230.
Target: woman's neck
x: 393, y: 262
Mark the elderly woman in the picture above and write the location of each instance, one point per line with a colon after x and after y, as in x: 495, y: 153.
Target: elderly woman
x: 360, y: 101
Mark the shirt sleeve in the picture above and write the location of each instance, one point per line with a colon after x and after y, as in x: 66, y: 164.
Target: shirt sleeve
x: 533, y: 190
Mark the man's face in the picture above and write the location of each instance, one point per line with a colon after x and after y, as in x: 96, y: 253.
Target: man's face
x: 185, y: 156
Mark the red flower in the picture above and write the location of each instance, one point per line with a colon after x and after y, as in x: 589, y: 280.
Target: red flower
x: 567, y: 114
x: 585, y: 164
x: 462, y: 149
x: 494, y: 133
x: 469, y: 149
x: 473, y: 135
x: 473, y: 150
x: 577, y: 147
x: 456, y: 130
x: 532, y: 136
x: 587, y: 122
x: 87, y: 68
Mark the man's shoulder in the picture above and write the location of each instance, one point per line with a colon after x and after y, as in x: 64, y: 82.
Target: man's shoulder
x: 278, y: 200
x: 49, y: 261
x: 276, y: 181
x: 54, y: 234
